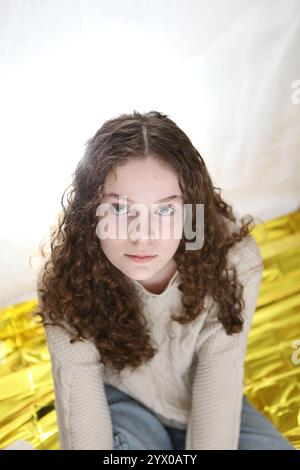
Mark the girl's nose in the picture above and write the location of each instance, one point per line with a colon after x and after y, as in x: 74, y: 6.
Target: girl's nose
x: 143, y: 227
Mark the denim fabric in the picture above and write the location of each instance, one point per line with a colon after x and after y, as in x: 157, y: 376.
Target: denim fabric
x: 136, y: 427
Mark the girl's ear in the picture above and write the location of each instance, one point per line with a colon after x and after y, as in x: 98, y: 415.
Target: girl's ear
x: 100, y: 192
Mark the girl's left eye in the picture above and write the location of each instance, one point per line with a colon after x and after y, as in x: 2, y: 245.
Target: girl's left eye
x: 168, y: 207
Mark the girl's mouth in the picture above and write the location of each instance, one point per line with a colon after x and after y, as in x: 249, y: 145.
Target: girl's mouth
x: 141, y: 259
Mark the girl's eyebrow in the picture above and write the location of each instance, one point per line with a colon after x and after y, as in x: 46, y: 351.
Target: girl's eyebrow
x: 165, y: 199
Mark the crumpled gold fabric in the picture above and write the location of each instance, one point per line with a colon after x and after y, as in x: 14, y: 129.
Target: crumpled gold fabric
x: 272, y: 363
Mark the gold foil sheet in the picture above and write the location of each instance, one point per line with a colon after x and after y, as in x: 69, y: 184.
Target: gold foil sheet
x: 272, y: 364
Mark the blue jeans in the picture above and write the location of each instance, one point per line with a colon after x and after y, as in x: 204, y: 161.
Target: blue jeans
x: 136, y: 427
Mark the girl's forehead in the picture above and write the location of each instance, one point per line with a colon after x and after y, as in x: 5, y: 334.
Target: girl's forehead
x: 134, y: 188
x: 142, y: 182
x: 148, y: 167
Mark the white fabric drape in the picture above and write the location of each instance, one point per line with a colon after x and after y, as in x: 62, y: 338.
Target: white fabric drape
x: 227, y: 72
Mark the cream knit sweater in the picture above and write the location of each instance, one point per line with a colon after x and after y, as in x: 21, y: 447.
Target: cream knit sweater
x: 194, y: 382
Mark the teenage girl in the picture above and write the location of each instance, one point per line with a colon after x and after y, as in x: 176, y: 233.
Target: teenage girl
x: 147, y: 299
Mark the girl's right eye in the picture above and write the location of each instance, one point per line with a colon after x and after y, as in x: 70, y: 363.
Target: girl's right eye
x: 114, y: 206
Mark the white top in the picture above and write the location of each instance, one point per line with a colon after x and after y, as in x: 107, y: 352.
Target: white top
x: 194, y: 382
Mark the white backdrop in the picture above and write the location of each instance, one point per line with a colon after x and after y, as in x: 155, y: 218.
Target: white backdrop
x: 227, y: 72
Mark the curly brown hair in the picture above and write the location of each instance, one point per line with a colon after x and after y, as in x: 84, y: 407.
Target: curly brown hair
x: 81, y: 287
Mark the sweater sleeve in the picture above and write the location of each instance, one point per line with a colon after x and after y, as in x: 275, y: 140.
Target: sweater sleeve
x: 218, y: 383
x: 83, y: 416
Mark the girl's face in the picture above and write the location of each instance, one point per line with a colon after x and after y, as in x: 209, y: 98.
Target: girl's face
x: 151, y: 218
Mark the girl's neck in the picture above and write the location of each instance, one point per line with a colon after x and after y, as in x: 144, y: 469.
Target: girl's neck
x: 158, y: 283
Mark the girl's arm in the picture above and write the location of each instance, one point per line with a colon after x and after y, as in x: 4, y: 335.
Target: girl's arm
x: 83, y: 415
x: 218, y: 385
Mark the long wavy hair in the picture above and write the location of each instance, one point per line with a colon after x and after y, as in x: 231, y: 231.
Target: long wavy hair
x: 81, y: 287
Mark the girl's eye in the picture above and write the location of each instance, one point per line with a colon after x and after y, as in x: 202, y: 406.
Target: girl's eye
x: 114, y: 206
x: 116, y: 210
x: 167, y: 207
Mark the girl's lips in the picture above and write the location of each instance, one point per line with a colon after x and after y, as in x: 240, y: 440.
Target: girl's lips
x: 139, y: 259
